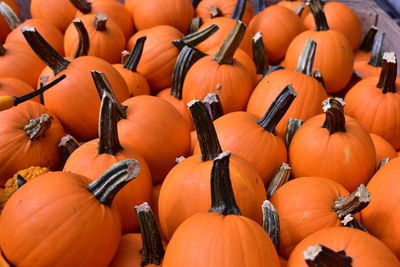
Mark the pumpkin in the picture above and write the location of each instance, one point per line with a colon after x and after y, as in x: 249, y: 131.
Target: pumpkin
x: 341, y: 246
x: 373, y: 66
x: 58, y: 13
x: 176, y: 13
x: 241, y: 241
x: 334, y: 56
x: 65, y: 201
x: 299, y: 7
x: 80, y: 116
x: 308, y: 204
x: 137, y: 83
x: 383, y: 148
x: 94, y: 157
x: 271, y: 222
x: 364, y: 51
x: 380, y: 93
x: 191, y: 177
x: 253, y: 137
x: 159, y: 55
x: 340, y: 17
x: 310, y: 92
x: 105, y: 37
x: 67, y: 145
x: 5, y: 29
x: 15, y: 87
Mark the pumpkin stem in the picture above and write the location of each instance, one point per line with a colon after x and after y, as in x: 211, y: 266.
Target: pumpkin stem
x: 240, y: 7
x: 205, y: 130
x: 213, y: 105
x: 292, y: 126
x: 306, y: 59
x: 368, y: 41
x: 316, y: 74
x: 334, y: 120
x: 352, y: 203
x: 67, y: 145
x: 215, y: 12
x: 45, y: 52
x: 280, y: 178
x: 193, y: 39
x: 112, y: 180
x: 230, y: 45
x: 153, y: 249
x: 20, y: 181
x: 100, y: 21
x: 108, y: 132
x: 387, y: 79
x: 103, y: 85
x: 133, y: 60
x: 320, y: 255
x: 83, y: 44
x: 82, y: 5
x: 382, y: 163
x: 222, y: 197
x: 299, y: 9
x: 278, y: 109
x: 43, y: 81
x: 377, y: 50
x: 9, y: 16
x: 316, y: 7
x: 271, y: 222
x: 351, y: 222
x: 2, y: 50
x: 37, y: 127
x: 195, y: 25
x: 259, y: 55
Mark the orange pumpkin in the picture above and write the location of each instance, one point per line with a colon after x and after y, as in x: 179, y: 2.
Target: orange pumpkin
x: 372, y: 66
x: 383, y: 148
x: 364, y: 51
x: 299, y: 7
x: 4, y: 27
x: 15, y: 87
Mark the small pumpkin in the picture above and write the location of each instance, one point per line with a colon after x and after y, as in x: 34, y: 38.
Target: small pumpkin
x: 298, y: 7
x: 383, y: 148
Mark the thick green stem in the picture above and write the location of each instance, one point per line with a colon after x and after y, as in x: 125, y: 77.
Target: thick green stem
x: 213, y: 105
x: 306, y: 59
x: 67, y: 146
x: 133, y: 60
x: 377, y: 50
x: 100, y: 22
x: 259, y: 55
x: 37, y: 127
x: 230, y: 45
x: 222, y: 197
x: 292, y: 126
x: 239, y: 9
x: 106, y: 187
x: 351, y: 222
x: 321, y: 23
x: 205, y: 130
x: 83, y: 43
x: 277, y: 109
x: 280, y: 178
x: 321, y: 256
x: 368, y: 41
x: 45, y: 52
x: 153, y: 249
x: 271, y: 222
x: 387, y: 79
x: 215, y: 12
x: 9, y: 15
x: 334, y: 120
x: 82, y: 5
x: 195, y: 25
x: 352, y: 203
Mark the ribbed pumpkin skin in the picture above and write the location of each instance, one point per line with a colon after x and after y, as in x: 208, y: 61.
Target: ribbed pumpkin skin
x: 342, y: 18
x: 191, y: 177
x: 334, y: 57
x: 81, y: 113
x: 232, y: 83
x: 226, y: 6
x: 383, y: 148
x: 292, y: 5
x: 383, y: 213
x: 107, y: 44
x: 44, y: 210
x: 4, y: 28
x: 375, y: 111
x: 310, y: 95
x: 364, y: 249
x: 348, y: 158
x: 136, y: 82
x: 304, y: 206
x: 17, y: 150
x: 15, y: 87
x: 220, y: 241
x: 60, y: 13
x: 147, y: 14
x: 157, y: 131
x: 365, y: 70
x: 87, y: 162
x: 128, y: 254
x: 159, y: 55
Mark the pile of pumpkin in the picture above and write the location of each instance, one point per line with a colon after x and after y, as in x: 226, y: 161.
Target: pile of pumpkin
x: 226, y: 137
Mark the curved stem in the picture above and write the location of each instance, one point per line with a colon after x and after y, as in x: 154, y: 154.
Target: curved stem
x: 351, y: 222
x: 306, y: 59
x: 193, y: 39
x: 222, y: 198
x: 368, y: 41
x: 213, y: 105
x: 67, y: 146
x: 277, y: 109
x: 153, y: 249
x: 82, y: 5
x: 352, y: 203
x: 205, y: 130
x: 231, y: 44
x: 100, y: 22
x: 37, y: 127
x: 334, y: 120
x: 215, y: 12
x: 387, y: 79
x: 377, y: 50
x: 271, y: 222
x: 195, y: 25
x: 291, y: 128
x: 83, y: 44
x: 113, y: 180
x: 259, y: 55
x: 280, y: 178
x: 9, y: 15
x: 321, y: 23
x: 240, y: 7
x: 320, y: 255
x: 133, y: 60
x: 45, y: 52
